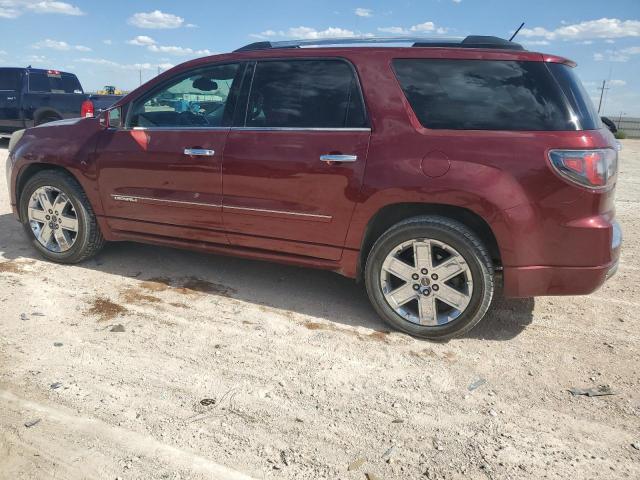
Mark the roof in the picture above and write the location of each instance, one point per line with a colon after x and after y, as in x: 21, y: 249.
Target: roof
x: 472, y: 41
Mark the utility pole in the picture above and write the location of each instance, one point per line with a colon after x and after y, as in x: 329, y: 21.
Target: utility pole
x: 620, y: 119
x: 602, y: 90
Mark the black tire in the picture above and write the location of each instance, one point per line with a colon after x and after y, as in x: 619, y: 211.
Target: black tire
x: 454, y: 234
x: 89, y: 239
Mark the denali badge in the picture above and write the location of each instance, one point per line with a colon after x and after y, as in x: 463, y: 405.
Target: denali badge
x: 122, y: 198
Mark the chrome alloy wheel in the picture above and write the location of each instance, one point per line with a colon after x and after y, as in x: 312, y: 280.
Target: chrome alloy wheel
x: 53, y: 219
x: 426, y: 282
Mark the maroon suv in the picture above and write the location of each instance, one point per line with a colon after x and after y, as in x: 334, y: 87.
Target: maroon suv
x: 421, y: 170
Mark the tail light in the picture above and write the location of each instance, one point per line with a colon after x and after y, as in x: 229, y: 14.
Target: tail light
x: 590, y: 168
x: 87, y: 110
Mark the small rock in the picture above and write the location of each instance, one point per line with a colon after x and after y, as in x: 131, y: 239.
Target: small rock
x: 636, y: 445
x: 37, y: 314
x: 439, y: 448
x: 387, y: 455
x: 31, y: 423
x: 371, y: 476
x: 356, y: 464
x: 57, y: 344
x: 55, y: 385
x: 117, y: 328
x: 493, y: 413
x: 475, y: 384
x: 299, y: 420
x: 24, y: 316
x: 397, y: 420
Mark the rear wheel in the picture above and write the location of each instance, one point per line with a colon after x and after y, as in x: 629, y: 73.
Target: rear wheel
x: 58, y: 218
x: 431, y: 277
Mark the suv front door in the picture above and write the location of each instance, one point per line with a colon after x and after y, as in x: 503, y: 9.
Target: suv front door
x: 162, y: 173
x: 294, y: 165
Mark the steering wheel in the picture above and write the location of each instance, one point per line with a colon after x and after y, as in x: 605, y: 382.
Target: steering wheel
x: 189, y: 119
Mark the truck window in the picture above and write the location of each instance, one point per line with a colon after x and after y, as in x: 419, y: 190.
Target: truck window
x: 45, y: 82
x: 484, y: 95
x: 9, y: 80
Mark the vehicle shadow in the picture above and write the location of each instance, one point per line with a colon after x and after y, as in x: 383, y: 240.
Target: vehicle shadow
x: 4, y: 143
x: 315, y: 293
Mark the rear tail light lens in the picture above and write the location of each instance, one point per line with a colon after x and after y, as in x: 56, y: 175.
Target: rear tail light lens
x: 589, y: 168
x: 86, y: 110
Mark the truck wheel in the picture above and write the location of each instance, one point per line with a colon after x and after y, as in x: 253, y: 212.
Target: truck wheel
x: 58, y: 218
x: 431, y: 277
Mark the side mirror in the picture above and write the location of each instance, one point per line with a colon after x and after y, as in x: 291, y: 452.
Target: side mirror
x: 111, y: 118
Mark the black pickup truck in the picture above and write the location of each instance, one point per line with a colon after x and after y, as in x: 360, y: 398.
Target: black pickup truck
x: 32, y: 96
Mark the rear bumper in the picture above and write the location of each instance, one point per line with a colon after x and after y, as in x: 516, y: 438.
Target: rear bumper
x: 533, y: 281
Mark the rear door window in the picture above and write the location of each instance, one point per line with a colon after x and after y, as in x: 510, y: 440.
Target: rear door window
x: 9, y: 80
x: 484, y: 95
x: 305, y: 94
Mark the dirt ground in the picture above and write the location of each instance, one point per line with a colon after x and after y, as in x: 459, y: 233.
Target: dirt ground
x: 153, y: 363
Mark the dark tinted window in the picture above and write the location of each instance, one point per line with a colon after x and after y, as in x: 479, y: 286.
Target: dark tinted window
x: 9, y: 80
x: 203, y: 98
x: 483, y: 95
x: 53, y: 83
x: 576, y: 94
x: 305, y: 94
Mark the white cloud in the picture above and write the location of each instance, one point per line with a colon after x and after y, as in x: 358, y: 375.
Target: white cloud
x: 125, y: 66
x: 152, y: 46
x: 622, y: 55
x: 617, y: 83
x: 363, y: 12
x: 426, y: 27
x: 15, y: 8
x: 155, y: 20
x: 307, y: 33
x: 535, y: 42
x: 591, y: 29
x: 142, y: 41
x: 58, y: 45
x: 180, y: 51
x: 457, y: 1
x: 108, y: 42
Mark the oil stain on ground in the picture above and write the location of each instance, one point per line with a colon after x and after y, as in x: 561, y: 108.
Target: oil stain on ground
x: 105, y: 309
x: 14, y: 267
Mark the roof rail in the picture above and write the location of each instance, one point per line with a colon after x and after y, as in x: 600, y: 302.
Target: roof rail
x: 472, y: 41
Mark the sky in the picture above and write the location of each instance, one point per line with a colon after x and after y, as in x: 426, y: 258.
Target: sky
x: 115, y: 42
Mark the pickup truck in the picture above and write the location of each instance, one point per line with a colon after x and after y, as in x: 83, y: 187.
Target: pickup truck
x: 33, y: 96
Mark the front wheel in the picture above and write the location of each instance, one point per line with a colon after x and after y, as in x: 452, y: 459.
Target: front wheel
x: 431, y: 277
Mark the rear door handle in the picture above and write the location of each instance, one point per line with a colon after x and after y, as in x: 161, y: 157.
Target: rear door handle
x: 338, y: 158
x: 201, y: 152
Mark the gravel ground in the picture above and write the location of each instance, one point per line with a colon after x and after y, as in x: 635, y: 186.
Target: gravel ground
x: 148, y: 362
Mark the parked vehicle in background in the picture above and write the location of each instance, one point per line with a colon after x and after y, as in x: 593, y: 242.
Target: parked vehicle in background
x: 33, y: 96
x: 423, y: 171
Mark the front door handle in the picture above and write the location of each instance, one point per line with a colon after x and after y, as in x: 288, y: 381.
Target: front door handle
x: 338, y: 158
x: 201, y: 152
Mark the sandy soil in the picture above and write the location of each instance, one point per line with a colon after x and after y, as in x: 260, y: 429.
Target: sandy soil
x: 302, y: 378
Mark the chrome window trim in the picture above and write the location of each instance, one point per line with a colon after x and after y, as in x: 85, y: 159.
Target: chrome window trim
x: 260, y: 129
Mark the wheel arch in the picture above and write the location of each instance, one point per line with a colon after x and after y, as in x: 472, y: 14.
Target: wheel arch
x: 45, y: 112
x: 389, y: 215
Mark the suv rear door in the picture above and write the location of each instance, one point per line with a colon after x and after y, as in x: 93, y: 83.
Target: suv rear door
x: 10, y: 93
x: 294, y: 162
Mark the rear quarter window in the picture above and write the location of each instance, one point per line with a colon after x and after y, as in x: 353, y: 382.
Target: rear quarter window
x: 483, y: 94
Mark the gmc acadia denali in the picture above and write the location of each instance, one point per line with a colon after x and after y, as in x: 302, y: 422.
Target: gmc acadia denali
x: 421, y: 170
